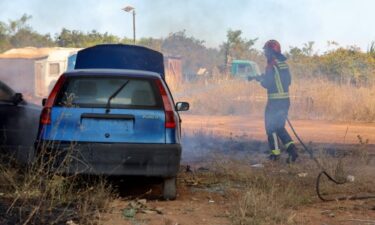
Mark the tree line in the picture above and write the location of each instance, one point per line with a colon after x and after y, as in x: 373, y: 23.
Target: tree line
x: 347, y: 65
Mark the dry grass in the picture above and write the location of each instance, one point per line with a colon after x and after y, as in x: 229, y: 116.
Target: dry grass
x: 39, y: 194
x: 264, y: 196
x: 273, y: 194
x: 321, y: 99
x: 310, y: 99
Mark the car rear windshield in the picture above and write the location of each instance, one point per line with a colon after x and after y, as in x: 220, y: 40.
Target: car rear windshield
x: 95, y: 91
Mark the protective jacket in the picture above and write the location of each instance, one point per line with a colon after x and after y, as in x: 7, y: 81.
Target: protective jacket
x: 277, y: 80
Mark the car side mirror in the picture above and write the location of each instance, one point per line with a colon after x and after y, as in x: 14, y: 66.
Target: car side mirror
x: 44, y: 101
x: 182, y: 106
x: 17, y: 98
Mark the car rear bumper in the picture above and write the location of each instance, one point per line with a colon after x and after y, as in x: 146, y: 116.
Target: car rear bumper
x: 161, y: 160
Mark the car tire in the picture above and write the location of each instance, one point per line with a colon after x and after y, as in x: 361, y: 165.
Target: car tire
x: 169, y: 188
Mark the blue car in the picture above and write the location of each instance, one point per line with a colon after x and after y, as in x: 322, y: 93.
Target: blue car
x: 120, y: 121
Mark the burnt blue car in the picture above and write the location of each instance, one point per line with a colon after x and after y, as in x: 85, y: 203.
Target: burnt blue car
x: 18, y: 124
x: 115, y: 121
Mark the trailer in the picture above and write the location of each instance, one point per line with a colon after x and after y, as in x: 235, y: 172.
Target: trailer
x: 34, y: 71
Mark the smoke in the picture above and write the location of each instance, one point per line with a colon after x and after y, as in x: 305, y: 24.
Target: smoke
x: 203, y: 145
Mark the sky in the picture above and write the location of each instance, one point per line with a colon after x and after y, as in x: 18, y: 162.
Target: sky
x: 292, y: 22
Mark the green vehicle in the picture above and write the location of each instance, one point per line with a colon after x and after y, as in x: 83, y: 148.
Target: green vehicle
x: 244, y: 69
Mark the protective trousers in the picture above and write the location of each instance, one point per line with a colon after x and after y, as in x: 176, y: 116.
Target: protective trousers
x: 275, y: 117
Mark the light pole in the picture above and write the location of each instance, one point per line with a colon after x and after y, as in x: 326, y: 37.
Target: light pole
x: 131, y: 9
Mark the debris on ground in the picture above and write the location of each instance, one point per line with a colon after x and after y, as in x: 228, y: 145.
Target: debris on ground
x: 71, y: 222
x: 283, y: 171
x: 129, y: 212
x: 350, y: 178
x: 192, y: 181
x: 139, y: 206
x: 203, y: 169
x: 328, y: 213
x: 302, y: 174
x: 258, y: 165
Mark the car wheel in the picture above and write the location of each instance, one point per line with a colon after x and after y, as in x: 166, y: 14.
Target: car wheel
x: 169, y: 188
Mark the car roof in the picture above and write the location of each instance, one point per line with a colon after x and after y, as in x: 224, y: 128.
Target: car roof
x: 112, y: 72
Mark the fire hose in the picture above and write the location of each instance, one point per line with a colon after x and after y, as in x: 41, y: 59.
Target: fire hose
x: 324, y: 172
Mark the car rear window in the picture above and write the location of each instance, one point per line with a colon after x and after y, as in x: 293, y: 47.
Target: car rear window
x: 95, y: 92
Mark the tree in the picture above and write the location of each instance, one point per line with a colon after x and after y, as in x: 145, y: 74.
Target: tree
x: 18, y: 33
x: 4, y: 38
x: 20, y: 24
x: 26, y: 37
x: 79, y: 39
x: 371, y: 50
x: 192, y: 51
x: 347, y: 65
x: 306, y: 51
x: 237, y: 47
x: 151, y: 43
x: 308, y: 48
x: 302, y: 60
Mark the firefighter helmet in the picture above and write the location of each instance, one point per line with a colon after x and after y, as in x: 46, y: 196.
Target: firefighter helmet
x: 272, y: 45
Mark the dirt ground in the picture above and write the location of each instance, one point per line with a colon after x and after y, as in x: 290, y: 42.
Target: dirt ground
x: 315, y: 131
x: 206, y: 205
x: 192, y: 206
x: 203, y: 206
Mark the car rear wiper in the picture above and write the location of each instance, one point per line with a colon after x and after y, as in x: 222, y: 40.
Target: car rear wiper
x: 108, y: 107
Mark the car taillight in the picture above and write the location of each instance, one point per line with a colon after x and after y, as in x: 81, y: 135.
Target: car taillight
x: 170, y: 121
x: 45, y: 116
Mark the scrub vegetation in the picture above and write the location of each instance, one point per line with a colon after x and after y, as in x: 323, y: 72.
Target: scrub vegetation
x: 38, y: 194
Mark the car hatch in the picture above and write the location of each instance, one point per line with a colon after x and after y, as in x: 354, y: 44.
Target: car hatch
x: 82, y: 111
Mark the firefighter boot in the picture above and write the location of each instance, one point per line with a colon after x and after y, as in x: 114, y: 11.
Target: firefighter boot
x: 293, y: 155
x: 275, y: 155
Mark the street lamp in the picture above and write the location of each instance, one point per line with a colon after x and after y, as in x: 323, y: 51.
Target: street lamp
x: 131, y: 9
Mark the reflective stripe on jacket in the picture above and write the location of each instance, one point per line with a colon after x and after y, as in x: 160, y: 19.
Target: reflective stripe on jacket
x: 277, y: 80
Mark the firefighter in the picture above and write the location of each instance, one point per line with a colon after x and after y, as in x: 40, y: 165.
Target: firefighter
x: 276, y: 80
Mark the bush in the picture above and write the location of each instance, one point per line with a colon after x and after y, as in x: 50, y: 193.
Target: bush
x: 39, y: 194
